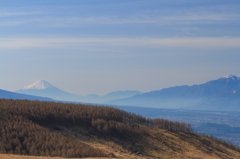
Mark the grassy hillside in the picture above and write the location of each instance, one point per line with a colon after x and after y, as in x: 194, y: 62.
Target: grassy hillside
x: 74, y: 130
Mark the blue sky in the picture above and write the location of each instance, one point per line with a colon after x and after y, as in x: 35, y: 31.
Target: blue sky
x: 98, y: 46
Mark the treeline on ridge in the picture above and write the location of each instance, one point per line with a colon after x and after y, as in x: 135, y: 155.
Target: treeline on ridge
x: 80, y: 114
x: 22, y: 131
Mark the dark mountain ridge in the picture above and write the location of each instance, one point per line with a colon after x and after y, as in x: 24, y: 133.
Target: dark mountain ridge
x: 211, y: 88
x: 220, y: 94
x: 11, y: 95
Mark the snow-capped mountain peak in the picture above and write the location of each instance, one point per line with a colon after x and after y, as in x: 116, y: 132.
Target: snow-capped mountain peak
x: 232, y: 76
x: 40, y: 84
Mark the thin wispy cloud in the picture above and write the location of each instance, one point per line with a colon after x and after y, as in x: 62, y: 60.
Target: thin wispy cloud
x: 14, y: 43
x: 12, y: 14
x: 53, y: 18
x: 204, y: 17
x: 75, y: 16
x: 51, y: 21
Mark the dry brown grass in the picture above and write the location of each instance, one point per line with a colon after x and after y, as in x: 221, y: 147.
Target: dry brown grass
x: 3, y: 156
x: 155, y: 143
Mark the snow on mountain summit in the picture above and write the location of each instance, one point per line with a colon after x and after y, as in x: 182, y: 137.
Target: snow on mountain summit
x: 232, y: 76
x: 229, y: 78
x: 40, y: 84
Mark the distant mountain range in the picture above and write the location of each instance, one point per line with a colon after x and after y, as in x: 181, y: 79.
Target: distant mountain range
x: 110, y: 96
x: 220, y: 94
x: 11, y: 95
x: 44, y: 89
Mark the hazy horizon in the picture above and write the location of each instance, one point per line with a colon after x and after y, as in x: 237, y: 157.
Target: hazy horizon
x: 26, y: 87
x: 97, y: 47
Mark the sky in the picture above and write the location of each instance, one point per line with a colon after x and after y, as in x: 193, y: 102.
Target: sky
x: 99, y: 46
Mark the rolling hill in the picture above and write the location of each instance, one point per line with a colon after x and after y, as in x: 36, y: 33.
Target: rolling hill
x: 75, y: 130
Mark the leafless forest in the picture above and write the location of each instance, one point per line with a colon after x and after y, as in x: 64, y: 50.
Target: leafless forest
x: 22, y: 128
